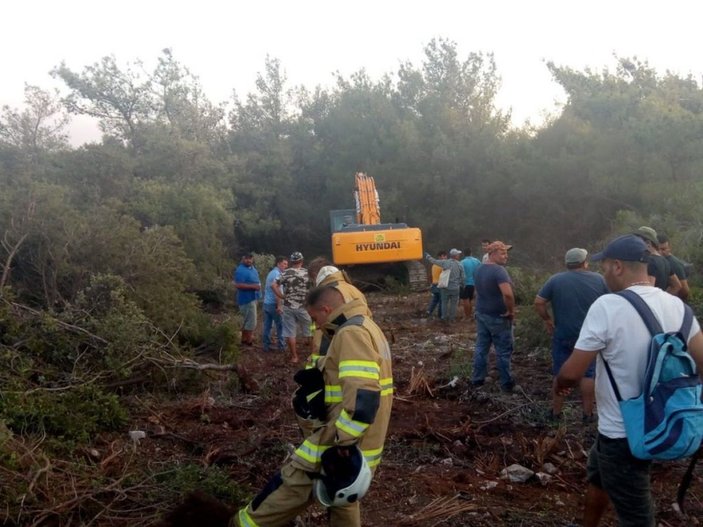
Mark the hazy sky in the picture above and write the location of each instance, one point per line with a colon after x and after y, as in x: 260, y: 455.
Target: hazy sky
x: 225, y: 42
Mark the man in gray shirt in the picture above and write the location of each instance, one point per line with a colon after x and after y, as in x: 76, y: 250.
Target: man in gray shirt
x: 450, y: 294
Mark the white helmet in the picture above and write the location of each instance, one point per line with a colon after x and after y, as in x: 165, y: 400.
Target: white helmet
x: 332, y: 492
x: 324, y: 273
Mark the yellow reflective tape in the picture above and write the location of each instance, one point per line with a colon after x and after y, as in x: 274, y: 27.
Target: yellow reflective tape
x: 361, y: 363
x: 387, y: 386
x: 365, y: 369
x: 312, y: 395
x: 349, y: 425
x: 310, y: 452
x: 373, y: 462
x: 373, y: 456
x: 245, y: 520
x: 333, y: 393
x: 312, y: 361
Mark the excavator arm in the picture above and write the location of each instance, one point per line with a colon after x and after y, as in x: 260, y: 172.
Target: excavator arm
x: 368, y: 208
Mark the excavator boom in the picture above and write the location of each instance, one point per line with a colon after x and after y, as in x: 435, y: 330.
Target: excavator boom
x: 368, y: 208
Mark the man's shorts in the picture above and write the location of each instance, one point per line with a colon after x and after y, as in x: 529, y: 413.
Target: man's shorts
x: 248, y: 313
x: 561, y: 350
x: 612, y: 467
x: 467, y: 292
x: 295, y: 319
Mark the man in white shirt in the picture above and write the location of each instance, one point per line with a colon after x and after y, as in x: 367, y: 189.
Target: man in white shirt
x: 614, y: 331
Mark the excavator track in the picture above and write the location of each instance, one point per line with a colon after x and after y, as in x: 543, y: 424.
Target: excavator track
x: 373, y: 277
x: 417, y: 275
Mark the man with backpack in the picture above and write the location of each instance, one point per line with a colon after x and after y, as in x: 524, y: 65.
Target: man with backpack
x: 616, y: 334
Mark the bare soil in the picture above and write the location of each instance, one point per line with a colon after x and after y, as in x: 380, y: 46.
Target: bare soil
x: 447, y: 444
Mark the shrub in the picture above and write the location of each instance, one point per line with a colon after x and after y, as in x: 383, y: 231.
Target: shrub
x: 213, y: 480
x: 75, y: 414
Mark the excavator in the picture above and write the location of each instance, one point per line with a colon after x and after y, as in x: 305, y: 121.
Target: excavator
x: 370, y: 250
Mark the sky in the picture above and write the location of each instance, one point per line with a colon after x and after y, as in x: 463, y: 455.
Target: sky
x: 225, y: 42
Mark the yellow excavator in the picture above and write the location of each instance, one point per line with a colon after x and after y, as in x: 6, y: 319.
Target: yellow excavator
x: 371, y: 250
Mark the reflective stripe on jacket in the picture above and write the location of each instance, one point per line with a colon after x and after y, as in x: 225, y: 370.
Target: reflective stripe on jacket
x: 358, y: 387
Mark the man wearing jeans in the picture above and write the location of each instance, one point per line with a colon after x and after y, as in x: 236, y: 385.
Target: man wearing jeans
x: 273, y: 306
x: 495, y: 309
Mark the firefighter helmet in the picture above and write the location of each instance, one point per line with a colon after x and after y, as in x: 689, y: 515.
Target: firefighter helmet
x: 343, y: 480
x: 324, y: 273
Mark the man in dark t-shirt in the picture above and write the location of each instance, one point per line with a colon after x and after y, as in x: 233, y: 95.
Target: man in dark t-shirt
x: 570, y: 294
x: 677, y: 266
x: 658, y: 269
x: 495, y: 309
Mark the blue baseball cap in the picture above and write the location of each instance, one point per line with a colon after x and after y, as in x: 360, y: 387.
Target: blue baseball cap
x: 628, y: 248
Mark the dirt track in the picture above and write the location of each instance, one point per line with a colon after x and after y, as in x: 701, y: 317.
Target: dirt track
x: 447, y: 443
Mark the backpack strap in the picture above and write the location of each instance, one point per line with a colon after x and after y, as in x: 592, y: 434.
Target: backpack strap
x: 644, y: 310
x: 686, y: 324
x: 651, y: 321
x: 611, y: 378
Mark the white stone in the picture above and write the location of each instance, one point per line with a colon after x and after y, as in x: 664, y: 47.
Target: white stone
x: 549, y: 468
x: 516, y: 473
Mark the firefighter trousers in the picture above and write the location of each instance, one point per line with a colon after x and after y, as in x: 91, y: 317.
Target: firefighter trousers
x: 286, y: 496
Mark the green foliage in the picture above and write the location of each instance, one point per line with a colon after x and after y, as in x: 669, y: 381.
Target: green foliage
x: 76, y: 414
x: 530, y: 332
x: 526, y: 284
x: 460, y: 365
x: 212, y: 480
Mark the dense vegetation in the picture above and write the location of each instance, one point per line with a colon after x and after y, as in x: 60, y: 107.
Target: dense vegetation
x: 109, y: 250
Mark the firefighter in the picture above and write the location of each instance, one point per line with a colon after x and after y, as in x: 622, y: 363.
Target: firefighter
x: 330, y: 275
x: 343, y: 406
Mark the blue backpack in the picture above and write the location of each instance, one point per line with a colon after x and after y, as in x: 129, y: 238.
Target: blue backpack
x: 666, y: 420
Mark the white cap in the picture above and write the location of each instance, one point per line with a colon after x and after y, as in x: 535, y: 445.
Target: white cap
x: 454, y: 252
x: 324, y: 273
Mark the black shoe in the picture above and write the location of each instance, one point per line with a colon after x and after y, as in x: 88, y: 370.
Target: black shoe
x: 477, y: 384
x: 588, y: 419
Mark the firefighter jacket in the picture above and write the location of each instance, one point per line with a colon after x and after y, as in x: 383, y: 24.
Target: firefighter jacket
x: 340, y: 282
x: 358, y: 388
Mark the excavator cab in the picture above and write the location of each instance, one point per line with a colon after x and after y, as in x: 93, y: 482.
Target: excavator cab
x: 360, y: 239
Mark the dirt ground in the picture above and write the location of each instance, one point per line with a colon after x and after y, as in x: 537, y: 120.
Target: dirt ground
x: 447, y: 442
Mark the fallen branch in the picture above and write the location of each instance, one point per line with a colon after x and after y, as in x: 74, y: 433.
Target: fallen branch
x: 440, y: 509
x: 515, y: 409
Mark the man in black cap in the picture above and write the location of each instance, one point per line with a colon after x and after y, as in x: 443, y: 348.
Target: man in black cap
x: 613, y: 331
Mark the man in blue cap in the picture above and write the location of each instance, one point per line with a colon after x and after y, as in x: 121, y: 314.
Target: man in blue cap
x: 613, y: 331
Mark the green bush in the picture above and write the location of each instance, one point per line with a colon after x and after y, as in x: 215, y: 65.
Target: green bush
x: 75, y: 414
x: 526, y: 284
x: 530, y: 332
x: 213, y: 480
